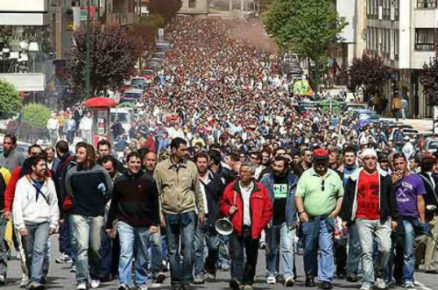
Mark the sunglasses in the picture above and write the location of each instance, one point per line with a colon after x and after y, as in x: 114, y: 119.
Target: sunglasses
x: 322, y: 185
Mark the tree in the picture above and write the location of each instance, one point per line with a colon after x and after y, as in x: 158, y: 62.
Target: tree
x: 143, y: 36
x: 113, y: 58
x: 10, y: 101
x: 369, y: 72
x: 306, y: 27
x: 34, y: 119
x: 429, y: 80
x: 166, y: 8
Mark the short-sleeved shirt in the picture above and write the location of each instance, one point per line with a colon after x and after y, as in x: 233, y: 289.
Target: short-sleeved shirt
x: 406, y: 192
x: 317, y: 201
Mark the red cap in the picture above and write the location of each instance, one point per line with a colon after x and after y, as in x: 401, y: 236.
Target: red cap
x: 320, y: 154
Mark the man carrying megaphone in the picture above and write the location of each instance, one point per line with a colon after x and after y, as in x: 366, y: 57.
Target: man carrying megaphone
x: 249, y: 206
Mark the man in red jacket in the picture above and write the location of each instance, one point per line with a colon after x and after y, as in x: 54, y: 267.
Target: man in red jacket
x: 248, y: 204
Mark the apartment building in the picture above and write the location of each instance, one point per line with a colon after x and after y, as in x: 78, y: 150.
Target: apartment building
x: 404, y: 33
x: 25, y: 43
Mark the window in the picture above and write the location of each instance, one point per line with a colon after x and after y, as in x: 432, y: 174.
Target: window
x: 425, y: 39
x: 396, y: 43
x: 427, y: 3
x: 192, y: 3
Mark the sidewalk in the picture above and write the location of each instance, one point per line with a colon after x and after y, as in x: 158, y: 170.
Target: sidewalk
x: 421, y: 125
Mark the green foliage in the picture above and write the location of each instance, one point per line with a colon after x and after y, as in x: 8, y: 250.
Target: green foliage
x: 35, y: 115
x: 368, y: 71
x: 429, y: 80
x: 113, y: 58
x: 307, y: 27
x: 10, y: 101
x: 154, y: 20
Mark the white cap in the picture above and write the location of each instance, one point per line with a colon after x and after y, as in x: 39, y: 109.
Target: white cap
x: 369, y: 152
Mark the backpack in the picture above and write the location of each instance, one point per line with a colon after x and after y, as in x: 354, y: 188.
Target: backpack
x: 6, y: 174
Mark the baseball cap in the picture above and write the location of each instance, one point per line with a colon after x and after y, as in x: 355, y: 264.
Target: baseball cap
x: 320, y: 154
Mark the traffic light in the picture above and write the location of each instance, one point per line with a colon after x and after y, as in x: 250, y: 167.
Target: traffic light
x: 394, y: 88
x: 69, y: 19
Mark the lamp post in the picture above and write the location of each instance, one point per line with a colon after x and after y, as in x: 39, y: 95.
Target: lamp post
x: 88, y: 54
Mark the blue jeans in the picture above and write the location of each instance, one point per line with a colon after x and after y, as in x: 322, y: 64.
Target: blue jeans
x: 35, y: 247
x: 3, y: 247
x: 87, y: 232
x: 354, y: 250
x: 132, y: 240
x: 205, y: 234
x: 224, y: 255
x: 73, y: 243
x: 279, y: 236
x: 156, y: 253
x: 408, y: 251
x: 371, y: 232
x: 318, y: 232
x: 181, y: 226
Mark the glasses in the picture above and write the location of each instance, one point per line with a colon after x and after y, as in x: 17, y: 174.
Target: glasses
x: 322, y: 185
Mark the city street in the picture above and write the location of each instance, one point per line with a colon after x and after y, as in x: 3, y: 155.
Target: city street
x: 60, y: 277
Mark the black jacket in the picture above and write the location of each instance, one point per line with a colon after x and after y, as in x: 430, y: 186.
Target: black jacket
x: 213, y: 191
x: 431, y: 197
x: 388, y: 203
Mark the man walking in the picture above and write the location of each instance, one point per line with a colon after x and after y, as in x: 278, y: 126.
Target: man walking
x: 318, y: 200
x: 409, y: 192
x: 180, y: 194
x: 370, y: 203
x: 212, y: 189
x: 281, y: 185
x: 135, y: 206
x: 88, y: 187
x: 36, y: 215
x: 11, y: 158
x: 250, y: 208
x: 426, y: 248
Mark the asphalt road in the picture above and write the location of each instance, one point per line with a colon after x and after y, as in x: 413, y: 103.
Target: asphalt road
x: 60, y: 277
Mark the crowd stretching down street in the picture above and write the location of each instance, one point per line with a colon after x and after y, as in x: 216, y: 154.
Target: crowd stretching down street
x: 218, y: 140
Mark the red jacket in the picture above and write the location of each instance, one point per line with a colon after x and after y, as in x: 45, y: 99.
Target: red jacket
x: 260, y: 208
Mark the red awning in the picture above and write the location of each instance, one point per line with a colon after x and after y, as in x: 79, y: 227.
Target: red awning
x: 100, y: 102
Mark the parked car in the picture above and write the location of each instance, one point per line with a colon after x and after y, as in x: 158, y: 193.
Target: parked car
x: 431, y: 145
x: 131, y: 95
x: 139, y: 82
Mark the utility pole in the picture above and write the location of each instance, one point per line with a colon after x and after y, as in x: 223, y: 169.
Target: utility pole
x: 88, y: 56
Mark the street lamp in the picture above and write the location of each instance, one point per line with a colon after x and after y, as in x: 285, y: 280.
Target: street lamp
x: 33, y: 50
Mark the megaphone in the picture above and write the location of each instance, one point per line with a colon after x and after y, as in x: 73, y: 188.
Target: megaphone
x: 224, y: 226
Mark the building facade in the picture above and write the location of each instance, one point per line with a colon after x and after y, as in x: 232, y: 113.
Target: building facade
x: 25, y: 45
x: 194, y: 7
x: 404, y: 33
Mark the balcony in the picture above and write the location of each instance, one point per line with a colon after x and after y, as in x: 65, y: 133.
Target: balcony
x: 121, y: 18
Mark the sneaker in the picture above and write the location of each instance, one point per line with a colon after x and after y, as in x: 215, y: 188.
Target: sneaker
x: 2, y: 280
x: 271, y: 280
x: 73, y: 269
x: 143, y: 287
x: 123, y: 287
x: 380, y: 283
x: 310, y: 282
x: 326, y: 285
x: 63, y: 259
x: 247, y: 287
x: 225, y: 267
x: 352, y: 278
x: 234, y: 284
x: 365, y: 286
x: 82, y: 286
x: 94, y: 283
x: 35, y: 285
x: 199, y: 279
x: 160, y: 278
x: 409, y: 285
x: 289, y: 282
x: 211, y: 276
x: 24, y: 281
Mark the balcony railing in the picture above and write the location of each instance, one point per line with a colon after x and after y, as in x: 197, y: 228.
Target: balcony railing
x: 424, y: 46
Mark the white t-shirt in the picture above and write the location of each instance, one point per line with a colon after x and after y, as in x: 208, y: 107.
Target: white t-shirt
x: 246, y: 194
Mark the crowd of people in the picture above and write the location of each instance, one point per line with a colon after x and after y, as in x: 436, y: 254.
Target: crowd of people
x: 219, y: 137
